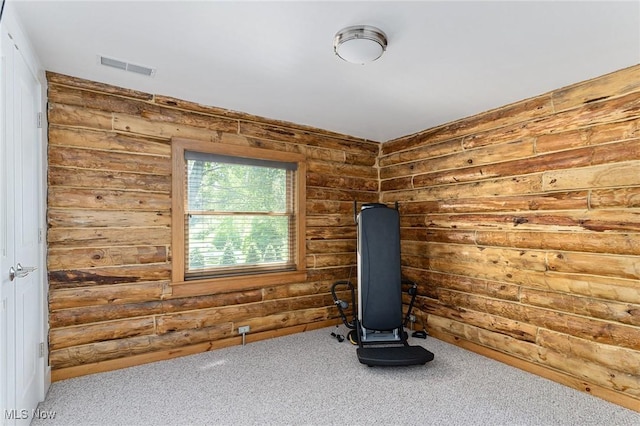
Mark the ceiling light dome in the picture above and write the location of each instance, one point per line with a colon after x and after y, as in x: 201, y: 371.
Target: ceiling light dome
x: 360, y: 44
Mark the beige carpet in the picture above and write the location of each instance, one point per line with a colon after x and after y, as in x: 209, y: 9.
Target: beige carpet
x: 312, y: 379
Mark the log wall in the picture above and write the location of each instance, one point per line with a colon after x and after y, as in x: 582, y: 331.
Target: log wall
x: 111, y: 298
x: 522, y: 227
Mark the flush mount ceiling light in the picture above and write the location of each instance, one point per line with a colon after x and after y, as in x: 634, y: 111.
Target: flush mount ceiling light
x: 360, y: 44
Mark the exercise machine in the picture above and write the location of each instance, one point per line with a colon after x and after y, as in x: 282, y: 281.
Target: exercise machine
x: 378, y: 323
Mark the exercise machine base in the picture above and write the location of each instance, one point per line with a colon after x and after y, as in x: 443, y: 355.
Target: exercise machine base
x: 394, y: 356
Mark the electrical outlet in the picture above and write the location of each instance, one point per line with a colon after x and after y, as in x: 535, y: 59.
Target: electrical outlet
x: 412, y: 318
x: 243, y: 329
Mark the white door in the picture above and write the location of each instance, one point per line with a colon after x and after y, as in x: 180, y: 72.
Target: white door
x: 26, y: 226
x: 7, y: 238
x: 21, y: 277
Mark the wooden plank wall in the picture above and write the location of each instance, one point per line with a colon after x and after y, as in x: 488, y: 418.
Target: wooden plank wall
x: 109, y: 235
x: 522, y: 227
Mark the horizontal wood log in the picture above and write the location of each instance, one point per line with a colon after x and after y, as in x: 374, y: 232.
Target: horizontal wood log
x: 616, y: 109
x: 438, y: 235
x: 456, y: 160
x: 328, y: 233
x: 612, y: 357
x: 593, y: 135
x: 612, y: 243
x: 495, y: 324
x: 421, y: 152
x: 181, y: 119
x: 165, y: 354
x: 315, y: 220
x: 67, y: 115
x: 139, y: 126
x: 71, y: 278
x: 570, y: 221
x: 598, y: 89
x: 413, y: 261
x: 331, y: 260
x: 595, y: 264
x: 120, y: 348
x: 73, y: 336
x: 494, y: 289
x: 331, y: 246
x: 594, y: 373
x: 107, y: 160
x: 108, y: 199
x: 590, y: 388
x: 624, y: 313
x: 535, y: 202
x: 522, y: 185
x: 211, y: 301
x: 318, y: 153
x: 61, y: 79
x: 208, y: 317
x: 249, y: 120
x: 109, y: 141
x: 396, y: 184
x: 281, y: 133
x: 313, y: 301
x: 100, y: 295
x: 495, y: 119
x: 310, y: 152
x: 617, y: 174
x: 577, y: 367
x: 487, y: 271
x: 221, y: 112
x: 244, y: 141
x: 341, y: 181
x: 315, y: 193
x: 81, y: 218
x: 533, y: 260
x: 582, y: 157
x: 167, y: 121
x: 289, y: 319
x: 88, y: 315
x: 611, y: 288
x: 61, y: 258
x: 99, y: 100
x: 212, y: 110
x: 334, y: 274
x: 301, y: 289
x: 422, y: 277
x: 109, y: 180
x: 587, y: 328
x: 360, y: 159
x: 329, y: 207
x: 118, y: 309
x: 617, y: 197
x: 498, y: 341
x: 338, y: 169
x: 102, y: 237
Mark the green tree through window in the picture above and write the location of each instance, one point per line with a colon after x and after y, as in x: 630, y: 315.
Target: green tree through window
x: 239, y: 215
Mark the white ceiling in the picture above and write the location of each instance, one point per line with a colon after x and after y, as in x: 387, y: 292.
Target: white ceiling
x: 445, y: 60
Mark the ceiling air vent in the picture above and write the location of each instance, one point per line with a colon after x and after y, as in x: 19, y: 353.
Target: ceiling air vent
x: 126, y: 66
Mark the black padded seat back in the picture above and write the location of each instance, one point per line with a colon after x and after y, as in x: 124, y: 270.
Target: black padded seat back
x: 380, y: 282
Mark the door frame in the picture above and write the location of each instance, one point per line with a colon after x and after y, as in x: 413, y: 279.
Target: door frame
x: 10, y: 25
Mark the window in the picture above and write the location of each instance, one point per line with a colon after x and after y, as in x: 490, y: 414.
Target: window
x: 238, y: 215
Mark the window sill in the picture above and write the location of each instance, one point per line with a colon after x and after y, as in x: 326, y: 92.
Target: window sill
x: 231, y: 284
